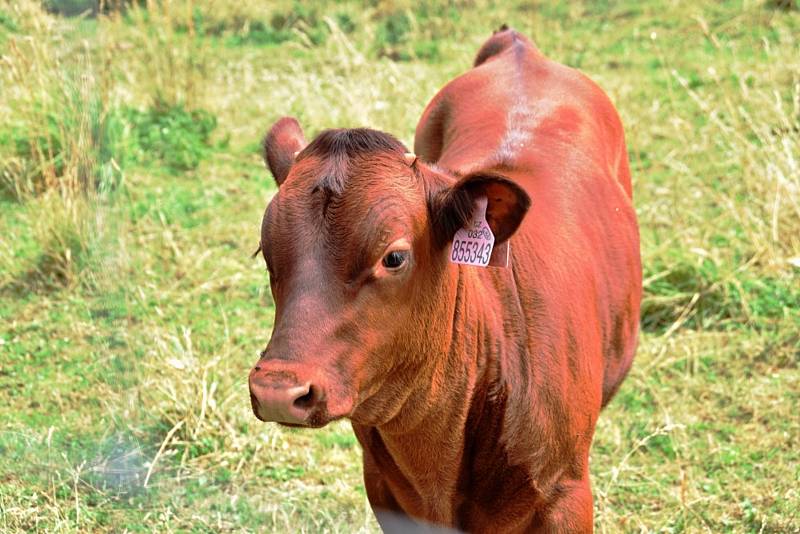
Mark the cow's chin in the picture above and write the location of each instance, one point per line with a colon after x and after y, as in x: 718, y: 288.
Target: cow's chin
x: 312, y: 422
x: 373, y: 412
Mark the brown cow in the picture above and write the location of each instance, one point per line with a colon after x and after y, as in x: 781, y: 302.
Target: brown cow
x: 473, y: 391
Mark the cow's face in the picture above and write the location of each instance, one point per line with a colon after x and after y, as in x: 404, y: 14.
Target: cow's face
x: 354, y: 244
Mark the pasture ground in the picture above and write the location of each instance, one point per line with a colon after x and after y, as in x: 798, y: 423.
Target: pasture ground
x: 131, y: 192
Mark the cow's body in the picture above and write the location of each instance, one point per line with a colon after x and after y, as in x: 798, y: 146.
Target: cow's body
x: 539, y: 347
x: 488, y: 425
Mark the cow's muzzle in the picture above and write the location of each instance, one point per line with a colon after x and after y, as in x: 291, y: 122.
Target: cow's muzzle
x: 282, y: 398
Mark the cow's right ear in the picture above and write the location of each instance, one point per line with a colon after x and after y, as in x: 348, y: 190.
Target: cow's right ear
x: 507, y: 203
x: 281, y: 145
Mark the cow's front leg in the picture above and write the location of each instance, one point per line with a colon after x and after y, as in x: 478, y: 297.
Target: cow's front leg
x: 381, y: 499
x: 378, y: 492
x: 387, y: 511
x: 570, y: 512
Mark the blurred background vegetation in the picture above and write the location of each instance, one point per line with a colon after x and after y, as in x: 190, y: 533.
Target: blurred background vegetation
x: 131, y: 191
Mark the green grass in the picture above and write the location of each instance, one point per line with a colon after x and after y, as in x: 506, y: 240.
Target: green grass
x: 130, y: 201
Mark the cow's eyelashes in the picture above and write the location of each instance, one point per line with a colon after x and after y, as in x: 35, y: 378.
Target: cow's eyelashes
x: 395, y: 259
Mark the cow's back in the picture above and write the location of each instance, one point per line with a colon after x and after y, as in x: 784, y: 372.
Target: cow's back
x: 576, y: 265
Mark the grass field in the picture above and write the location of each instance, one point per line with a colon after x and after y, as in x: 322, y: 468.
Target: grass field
x: 131, y: 193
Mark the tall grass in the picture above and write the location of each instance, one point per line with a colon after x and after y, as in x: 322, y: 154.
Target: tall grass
x: 59, y: 131
x: 754, y: 132
x: 60, y: 149
x: 157, y: 53
x: 78, y: 109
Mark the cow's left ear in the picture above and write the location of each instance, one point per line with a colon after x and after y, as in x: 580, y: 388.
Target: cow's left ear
x: 507, y: 204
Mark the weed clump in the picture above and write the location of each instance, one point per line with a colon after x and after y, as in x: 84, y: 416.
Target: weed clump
x: 7, y: 26
x: 282, y: 25
x: 702, y: 296
x: 172, y: 135
x: 398, y: 40
x: 406, y: 35
x: 78, y: 148
x: 240, y: 27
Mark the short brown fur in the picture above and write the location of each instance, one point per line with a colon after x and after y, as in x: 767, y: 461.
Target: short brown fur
x: 474, y: 392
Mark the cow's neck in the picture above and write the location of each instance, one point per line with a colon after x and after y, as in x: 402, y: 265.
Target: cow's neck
x: 426, y: 441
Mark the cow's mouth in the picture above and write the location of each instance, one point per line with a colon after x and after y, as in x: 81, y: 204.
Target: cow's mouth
x: 316, y: 418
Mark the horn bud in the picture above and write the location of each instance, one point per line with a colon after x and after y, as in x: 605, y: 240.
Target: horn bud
x: 410, y: 158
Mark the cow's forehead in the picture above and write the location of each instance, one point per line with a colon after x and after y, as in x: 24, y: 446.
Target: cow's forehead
x: 347, y: 226
x: 362, y: 191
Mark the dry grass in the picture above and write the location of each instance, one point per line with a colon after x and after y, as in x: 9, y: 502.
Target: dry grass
x: 156, y: 54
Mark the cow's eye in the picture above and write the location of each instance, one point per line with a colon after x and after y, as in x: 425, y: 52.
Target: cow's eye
x: 395, y: 259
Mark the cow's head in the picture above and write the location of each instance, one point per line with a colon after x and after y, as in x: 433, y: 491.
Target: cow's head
x: 355, y: 244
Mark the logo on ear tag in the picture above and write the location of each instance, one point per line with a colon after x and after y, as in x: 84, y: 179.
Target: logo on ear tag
x: 472, y: 244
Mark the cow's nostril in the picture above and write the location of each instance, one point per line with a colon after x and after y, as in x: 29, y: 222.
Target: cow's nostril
x: 307, y: 400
